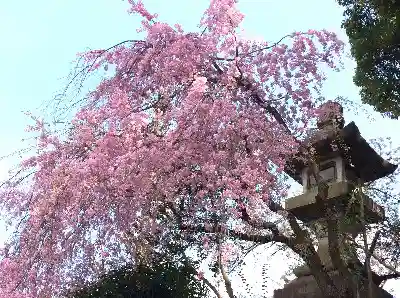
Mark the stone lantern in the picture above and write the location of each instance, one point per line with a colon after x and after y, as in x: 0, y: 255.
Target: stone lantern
x: 344, y: 160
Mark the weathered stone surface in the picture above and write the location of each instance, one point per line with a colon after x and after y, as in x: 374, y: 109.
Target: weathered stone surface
x: 304, y: 206
x: 306, y: 287
x: 366, y: 163
x: 336, y: 190
x: 345, y: 159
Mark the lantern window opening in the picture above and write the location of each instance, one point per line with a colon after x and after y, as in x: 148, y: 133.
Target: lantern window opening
x: 328, y: 173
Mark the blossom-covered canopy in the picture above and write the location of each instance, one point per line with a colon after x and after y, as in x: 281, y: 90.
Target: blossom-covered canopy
x: 202, y: 117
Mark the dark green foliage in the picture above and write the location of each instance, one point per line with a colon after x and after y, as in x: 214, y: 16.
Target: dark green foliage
x: 373, y: 28
x: 166, y: 279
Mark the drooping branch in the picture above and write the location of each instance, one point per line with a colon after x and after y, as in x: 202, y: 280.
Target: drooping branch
x: 144, y: 161
x: 101, y: 53
x: 269, y: 47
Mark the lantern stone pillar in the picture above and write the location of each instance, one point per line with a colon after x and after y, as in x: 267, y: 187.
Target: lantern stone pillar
x: 344, y: 160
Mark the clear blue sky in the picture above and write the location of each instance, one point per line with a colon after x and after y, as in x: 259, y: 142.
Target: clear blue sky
x: 39, y: 40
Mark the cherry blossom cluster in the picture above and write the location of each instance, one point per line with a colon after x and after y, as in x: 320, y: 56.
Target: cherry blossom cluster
x: 185, y: 115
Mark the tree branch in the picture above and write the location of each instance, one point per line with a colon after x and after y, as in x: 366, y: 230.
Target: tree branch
x: 227, y: 281
x: 373, y: 243
x: 263, y: 239
x: 98, y: 56
x: 217, y: 67
x: 212, y: 287
x: 269, y: 47
x: 382, y: 278
x: 304, y: 247
x: 378, y: 279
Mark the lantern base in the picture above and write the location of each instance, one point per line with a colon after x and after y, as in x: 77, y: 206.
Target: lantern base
x: 306, y: 287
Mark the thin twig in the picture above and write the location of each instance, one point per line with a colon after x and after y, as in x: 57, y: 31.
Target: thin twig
x: 268, y: 47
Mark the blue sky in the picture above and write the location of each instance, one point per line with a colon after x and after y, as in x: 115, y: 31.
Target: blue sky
x: 40, y: 39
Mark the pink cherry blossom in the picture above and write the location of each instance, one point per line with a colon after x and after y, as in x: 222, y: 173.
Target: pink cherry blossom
x: 184, y: 115
x: 200, y: 275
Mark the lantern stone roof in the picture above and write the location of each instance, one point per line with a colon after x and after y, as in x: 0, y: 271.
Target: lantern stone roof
x: 332, y: 139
